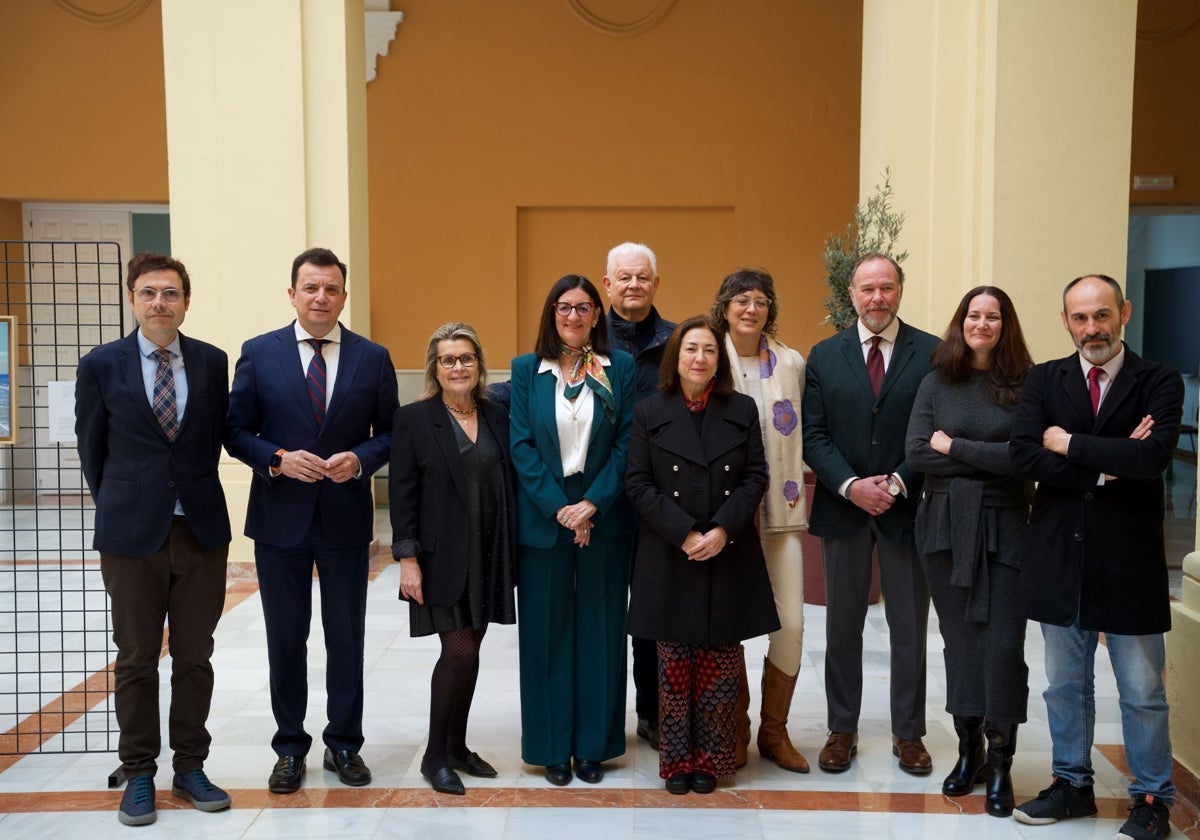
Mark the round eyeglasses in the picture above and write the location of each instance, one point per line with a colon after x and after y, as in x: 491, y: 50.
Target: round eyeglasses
x: 564, y: 309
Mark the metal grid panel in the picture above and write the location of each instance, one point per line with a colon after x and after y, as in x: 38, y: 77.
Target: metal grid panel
x: 56, y: 651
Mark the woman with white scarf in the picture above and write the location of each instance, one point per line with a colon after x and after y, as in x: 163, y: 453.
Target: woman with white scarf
x: 772, y: 374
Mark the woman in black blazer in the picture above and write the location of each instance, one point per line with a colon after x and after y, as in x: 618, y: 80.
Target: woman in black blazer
x: 450, y: 485
x: 696, y: 475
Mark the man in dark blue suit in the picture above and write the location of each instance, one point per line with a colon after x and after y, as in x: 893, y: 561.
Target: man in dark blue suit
x: 311, y: 413
x: 858, y: 395
x: 149, y: 418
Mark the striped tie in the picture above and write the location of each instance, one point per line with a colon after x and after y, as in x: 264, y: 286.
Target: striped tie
x: 164, y: 395
x: 316, y: 380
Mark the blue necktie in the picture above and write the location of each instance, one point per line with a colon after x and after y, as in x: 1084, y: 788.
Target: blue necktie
x: 316, y: 380
x: 164, y: 395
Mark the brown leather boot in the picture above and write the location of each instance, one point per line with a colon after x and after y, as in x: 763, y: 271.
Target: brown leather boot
x: 773, y: 741
x: 742, y: 714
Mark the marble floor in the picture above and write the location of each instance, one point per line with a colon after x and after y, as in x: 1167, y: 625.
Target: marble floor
x: 53, y: 793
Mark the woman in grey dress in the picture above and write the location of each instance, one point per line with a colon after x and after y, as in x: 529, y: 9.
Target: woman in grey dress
x: 969, y: 527
x: 450, y: 487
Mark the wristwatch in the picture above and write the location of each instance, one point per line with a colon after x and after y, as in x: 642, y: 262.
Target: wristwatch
x: 277, y: 458
x: 893, y: 485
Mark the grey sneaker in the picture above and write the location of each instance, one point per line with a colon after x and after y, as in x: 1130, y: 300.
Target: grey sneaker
x: 197, y: 789
x: 1060, y: 801
x: 137, y: 803
x: 1149, y: 819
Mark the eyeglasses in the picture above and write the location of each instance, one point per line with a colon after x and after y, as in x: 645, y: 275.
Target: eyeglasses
x: 749, y: 302
x: 467, y: 360
x: 564, y: 309
x: 149, y: 295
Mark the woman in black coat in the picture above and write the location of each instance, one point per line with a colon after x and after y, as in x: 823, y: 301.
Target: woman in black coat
x: 453, y: 528
x: 696, y: 474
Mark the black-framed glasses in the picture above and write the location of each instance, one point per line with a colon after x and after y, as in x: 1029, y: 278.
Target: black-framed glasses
x: 467, y: 360
x: 149, y: 295
x: 564, y: 309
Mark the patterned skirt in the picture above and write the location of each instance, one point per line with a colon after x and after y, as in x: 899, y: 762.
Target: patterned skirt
x: 697, y: 700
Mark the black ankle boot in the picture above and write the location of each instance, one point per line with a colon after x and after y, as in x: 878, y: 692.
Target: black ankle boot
x: 971, y: 757
x: 1002, y: 743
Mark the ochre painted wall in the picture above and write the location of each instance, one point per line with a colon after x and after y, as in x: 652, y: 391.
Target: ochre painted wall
x: 1166, y: 121
x: 84, y: 109
x: 510, y: 144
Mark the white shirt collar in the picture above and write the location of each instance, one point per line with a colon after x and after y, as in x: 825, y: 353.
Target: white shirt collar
x: 888, y: 333
x: 334, y: 335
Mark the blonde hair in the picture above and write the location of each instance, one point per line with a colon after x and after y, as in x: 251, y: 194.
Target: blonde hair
x: 453, y: 331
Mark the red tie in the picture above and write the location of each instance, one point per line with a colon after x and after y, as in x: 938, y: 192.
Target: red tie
x: 875, y: 365
x: 1094, y: 388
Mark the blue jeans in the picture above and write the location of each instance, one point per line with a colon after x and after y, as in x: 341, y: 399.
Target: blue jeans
x: 1137, y: 663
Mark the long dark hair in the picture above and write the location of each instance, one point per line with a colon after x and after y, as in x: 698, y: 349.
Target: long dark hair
x: 547, y: 337
x: 668, y: 371
x: 1010, y: 360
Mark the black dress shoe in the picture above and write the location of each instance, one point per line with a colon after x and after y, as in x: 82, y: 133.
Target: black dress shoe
x: 287, y: 775
x: 589, y: 771
x: 558, y: 774
x: 349, y: 767
x: 473, y: 765
x: 648, y: 730
x: 704, y: 782
x: 443, y: 779
x: 679, y: 784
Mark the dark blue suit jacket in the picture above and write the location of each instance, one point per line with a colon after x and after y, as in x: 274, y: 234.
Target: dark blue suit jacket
x: 538, y: 460
x: 849, y: 431
x: 134, y: 473
x: 269, y: 410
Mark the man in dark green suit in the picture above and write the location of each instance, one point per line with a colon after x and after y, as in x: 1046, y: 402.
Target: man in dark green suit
x: 858, y: 395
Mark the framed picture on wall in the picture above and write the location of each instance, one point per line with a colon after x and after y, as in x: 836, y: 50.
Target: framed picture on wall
x: 8, y: 389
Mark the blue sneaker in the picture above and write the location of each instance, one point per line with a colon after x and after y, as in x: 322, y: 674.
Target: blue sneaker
x: 202, y: 793
x: 137, y: 803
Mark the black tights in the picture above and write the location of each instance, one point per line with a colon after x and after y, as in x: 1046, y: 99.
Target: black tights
x: 450, y: 694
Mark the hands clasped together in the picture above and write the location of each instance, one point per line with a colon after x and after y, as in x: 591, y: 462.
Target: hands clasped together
x: 578, y: 518
x: 307, y: 467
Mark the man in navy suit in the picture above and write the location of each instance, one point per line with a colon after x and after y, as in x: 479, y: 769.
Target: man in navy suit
x: 858, y: 394
x: 311, y: 413
x: 149, y: 418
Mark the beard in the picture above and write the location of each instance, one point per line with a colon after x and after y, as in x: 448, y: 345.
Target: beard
x: 1099, y: 354
x: 877, y: 320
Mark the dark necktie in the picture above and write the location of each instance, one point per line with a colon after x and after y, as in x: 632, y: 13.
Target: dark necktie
x: 316, y: 380
x: 875, y: 365
x: 164, y: 395
x: 1094, y: 388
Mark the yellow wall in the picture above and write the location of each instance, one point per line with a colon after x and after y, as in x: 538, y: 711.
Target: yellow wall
x: 1166, y: 121
x: 510, y: 143
x: 84, y: 109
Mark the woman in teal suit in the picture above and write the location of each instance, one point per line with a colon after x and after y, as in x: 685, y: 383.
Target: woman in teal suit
x: 571, y: 414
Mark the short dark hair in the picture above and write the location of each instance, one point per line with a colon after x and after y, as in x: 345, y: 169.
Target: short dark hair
x: 1116, y: 287
x: 453, y: 331
x: 744, y: 280
x: 322, y: 257
x: 668, y: 371
x: 547, y: 337
x: 1010, y: 362
x: 876, y: 255
x: 151, y: 261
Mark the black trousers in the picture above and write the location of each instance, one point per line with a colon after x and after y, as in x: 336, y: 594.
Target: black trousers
x: 182, y: 584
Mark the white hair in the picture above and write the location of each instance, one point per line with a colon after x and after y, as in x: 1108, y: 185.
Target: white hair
x: 631, y: 249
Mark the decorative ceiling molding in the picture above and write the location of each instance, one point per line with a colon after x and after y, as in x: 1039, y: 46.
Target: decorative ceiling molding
x: 1171, y: 31
x: 380, y: 29
x: 124, y: 12
x: 621, y: 30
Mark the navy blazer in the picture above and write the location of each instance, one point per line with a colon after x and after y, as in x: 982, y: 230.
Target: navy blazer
x: 538, y: 460
x: 134, y: 473
x: 269, y: 410
x: 427, y: 491
x: 1096, y: 554
x: 848, y: 431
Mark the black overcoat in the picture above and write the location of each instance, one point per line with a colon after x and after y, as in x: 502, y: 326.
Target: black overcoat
x: 1096, y: 553
x: 683, y: 479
